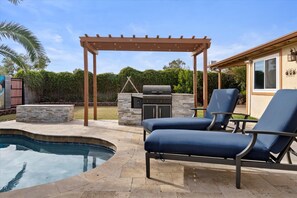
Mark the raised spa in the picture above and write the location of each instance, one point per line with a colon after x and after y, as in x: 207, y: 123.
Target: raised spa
x: 25, y: 162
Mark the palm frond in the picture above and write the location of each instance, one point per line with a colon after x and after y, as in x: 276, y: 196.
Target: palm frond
x: 23, y: 36
x: 15, y: 2
x: 10, y: 53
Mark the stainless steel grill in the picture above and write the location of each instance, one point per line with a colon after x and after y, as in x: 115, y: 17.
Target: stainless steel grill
x: 157, y: 101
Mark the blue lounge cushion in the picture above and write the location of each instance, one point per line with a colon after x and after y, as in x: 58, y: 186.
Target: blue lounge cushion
x: 203, y: 143
x: 222, y: 100
x: 177, y: 123
x: 280, y: 115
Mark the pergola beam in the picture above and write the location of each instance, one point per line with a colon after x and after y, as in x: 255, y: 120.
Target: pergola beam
x: 199, y: 50
x: 143, y: 40
x: 91, y: 49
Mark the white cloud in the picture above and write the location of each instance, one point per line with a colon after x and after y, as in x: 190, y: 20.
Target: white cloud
x: 115, y: 61
x: 64, y: 60
x: 62, y: 5
x: 219, y: 52
x: 73, y: 34
x: 137, y: 29
x: 49, y: 36
x: 251, y: 38
x: 244, y: 42
x: 57, y: 38
x: 147, y: 60
x: 45, y: 7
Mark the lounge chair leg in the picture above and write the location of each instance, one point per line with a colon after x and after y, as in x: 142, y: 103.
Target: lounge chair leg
x: 289, y: 156
x: 147, y: 164
x: 238, y: 172
x: 144, y: 134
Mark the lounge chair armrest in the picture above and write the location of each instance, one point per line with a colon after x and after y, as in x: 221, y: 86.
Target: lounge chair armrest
x: 241, y: 114
x: 255, y: 133
x: 281, y: 133
x: 198, y: 108
x: 230, y: 113
x: 243, y: 120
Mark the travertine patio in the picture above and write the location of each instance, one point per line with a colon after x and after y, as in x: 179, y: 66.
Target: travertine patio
x: 124, y: 174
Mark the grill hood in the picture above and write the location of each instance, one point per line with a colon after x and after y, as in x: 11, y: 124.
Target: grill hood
x: 156, y: 89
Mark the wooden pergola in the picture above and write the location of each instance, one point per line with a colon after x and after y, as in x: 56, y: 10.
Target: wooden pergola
x: 93, y: 44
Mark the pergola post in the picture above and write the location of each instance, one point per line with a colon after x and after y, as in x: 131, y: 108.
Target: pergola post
x: 86, y: 87
x: 195, y: 82
x: 205, y: 79
x: 219, y: 79
x: 94, y: 87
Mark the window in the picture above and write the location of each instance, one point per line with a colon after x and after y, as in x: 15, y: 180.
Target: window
x: 265, y: 73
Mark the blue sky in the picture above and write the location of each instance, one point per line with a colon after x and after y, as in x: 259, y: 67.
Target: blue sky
x: 233, y: 26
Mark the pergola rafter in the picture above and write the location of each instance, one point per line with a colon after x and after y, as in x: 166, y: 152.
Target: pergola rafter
x: 93, y: 44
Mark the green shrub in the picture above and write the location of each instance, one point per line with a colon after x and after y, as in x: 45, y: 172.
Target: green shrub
x: 33, y: 79
x: 185, y: 82
x: 69, y: 87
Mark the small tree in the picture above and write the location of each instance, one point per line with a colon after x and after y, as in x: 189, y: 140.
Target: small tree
x: 8, y: 67
x: 175, y: 64
x: 11, y: 67
x: 239, y: 74
x: 185, y: 82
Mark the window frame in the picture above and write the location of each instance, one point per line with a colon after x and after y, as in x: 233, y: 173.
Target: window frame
x: 264, y: 59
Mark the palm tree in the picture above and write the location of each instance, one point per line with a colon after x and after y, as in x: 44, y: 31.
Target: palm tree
x: 15, y: 2
x: 23, y: 36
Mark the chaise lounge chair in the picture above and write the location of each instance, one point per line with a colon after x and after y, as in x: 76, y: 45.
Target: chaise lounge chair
x: 218, y: 113
x: 263, y: 147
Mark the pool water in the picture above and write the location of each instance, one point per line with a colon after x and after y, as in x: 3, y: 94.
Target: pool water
x: 25, y: 162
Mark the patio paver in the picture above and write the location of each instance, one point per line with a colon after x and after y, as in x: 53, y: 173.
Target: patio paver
x: 124, y: 174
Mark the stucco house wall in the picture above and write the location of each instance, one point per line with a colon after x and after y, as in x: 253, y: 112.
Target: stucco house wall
x: 258, y: 101
x: 289, y: 81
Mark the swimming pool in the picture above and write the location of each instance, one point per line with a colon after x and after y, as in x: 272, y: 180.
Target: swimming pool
x: 25, y: 162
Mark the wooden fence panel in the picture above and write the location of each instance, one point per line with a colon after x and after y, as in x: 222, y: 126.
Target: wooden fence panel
x: 16, y: 92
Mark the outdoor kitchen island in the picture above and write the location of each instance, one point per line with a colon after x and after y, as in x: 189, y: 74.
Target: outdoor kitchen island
x: 130, y: 111
x: 44, y: 113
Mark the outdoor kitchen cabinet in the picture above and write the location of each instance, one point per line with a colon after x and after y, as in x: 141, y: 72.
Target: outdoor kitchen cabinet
x: 156, y: 111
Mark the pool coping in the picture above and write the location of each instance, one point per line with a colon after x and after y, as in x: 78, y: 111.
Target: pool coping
x: 105, y: 171
x: 59, y: 139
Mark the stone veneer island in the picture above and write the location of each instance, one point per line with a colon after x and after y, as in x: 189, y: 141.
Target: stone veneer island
x: 181, y: 107
x: 39, y: 113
